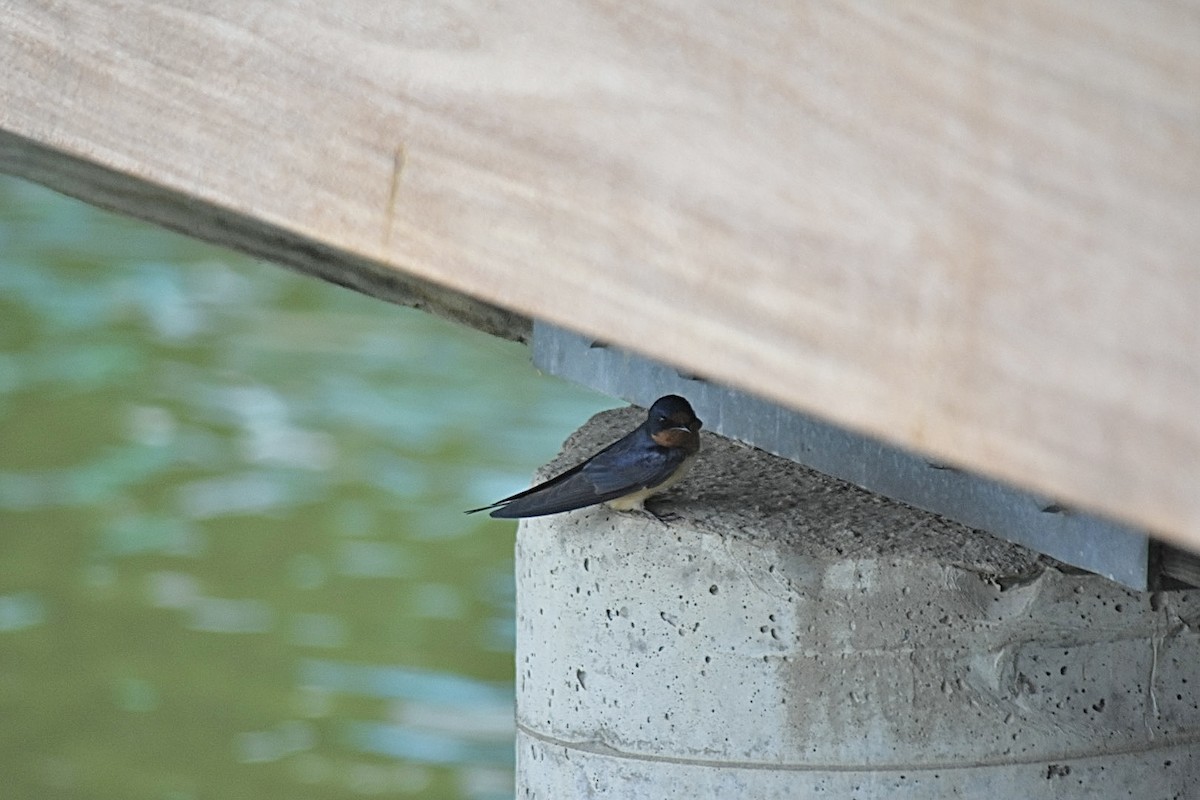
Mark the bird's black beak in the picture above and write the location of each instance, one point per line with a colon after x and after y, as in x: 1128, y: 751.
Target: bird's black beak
x: 694, y: 424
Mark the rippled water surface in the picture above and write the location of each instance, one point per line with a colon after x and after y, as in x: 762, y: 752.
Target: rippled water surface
x: 233, y: 562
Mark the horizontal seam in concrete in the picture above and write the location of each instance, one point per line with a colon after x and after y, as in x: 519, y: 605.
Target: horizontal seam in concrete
x: 963, y: 643
x: 600, y: 749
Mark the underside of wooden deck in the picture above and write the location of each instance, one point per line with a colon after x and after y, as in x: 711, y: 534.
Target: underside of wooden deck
x: 968, y: 230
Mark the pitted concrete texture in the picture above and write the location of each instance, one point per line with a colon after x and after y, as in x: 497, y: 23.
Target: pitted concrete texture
x: 789, y: 636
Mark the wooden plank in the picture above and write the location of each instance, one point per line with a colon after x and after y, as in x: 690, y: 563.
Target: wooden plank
x: 971, y: 230
x: 176, y: 210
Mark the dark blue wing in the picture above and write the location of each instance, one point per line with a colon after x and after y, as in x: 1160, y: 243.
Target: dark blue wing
x: 627, y: 469
x: 627, y: 465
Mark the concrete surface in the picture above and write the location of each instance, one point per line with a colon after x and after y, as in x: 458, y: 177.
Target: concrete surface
x: 790, y: 636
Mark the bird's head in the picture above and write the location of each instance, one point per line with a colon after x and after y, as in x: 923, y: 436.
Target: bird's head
x: 672, y: 423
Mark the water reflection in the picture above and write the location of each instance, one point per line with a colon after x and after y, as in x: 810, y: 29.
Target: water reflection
x: 234, y: 563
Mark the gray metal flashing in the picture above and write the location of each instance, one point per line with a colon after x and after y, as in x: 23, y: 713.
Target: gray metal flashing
x: 1107, y: 548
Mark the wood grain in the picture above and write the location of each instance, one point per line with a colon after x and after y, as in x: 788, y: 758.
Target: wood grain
x: 971, y: 229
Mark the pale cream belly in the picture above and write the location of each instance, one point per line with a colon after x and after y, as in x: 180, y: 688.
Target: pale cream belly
x: 637, y: 500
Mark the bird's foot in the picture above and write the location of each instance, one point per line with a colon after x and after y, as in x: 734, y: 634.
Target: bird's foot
x: 665, y: 517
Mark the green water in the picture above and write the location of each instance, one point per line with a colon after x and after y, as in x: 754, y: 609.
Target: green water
x: 233, y: 562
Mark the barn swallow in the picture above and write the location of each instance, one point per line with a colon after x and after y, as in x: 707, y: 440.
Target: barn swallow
x: 644, y: 462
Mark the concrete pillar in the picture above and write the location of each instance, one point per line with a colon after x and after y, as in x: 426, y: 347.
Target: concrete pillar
x: 790, y: 636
